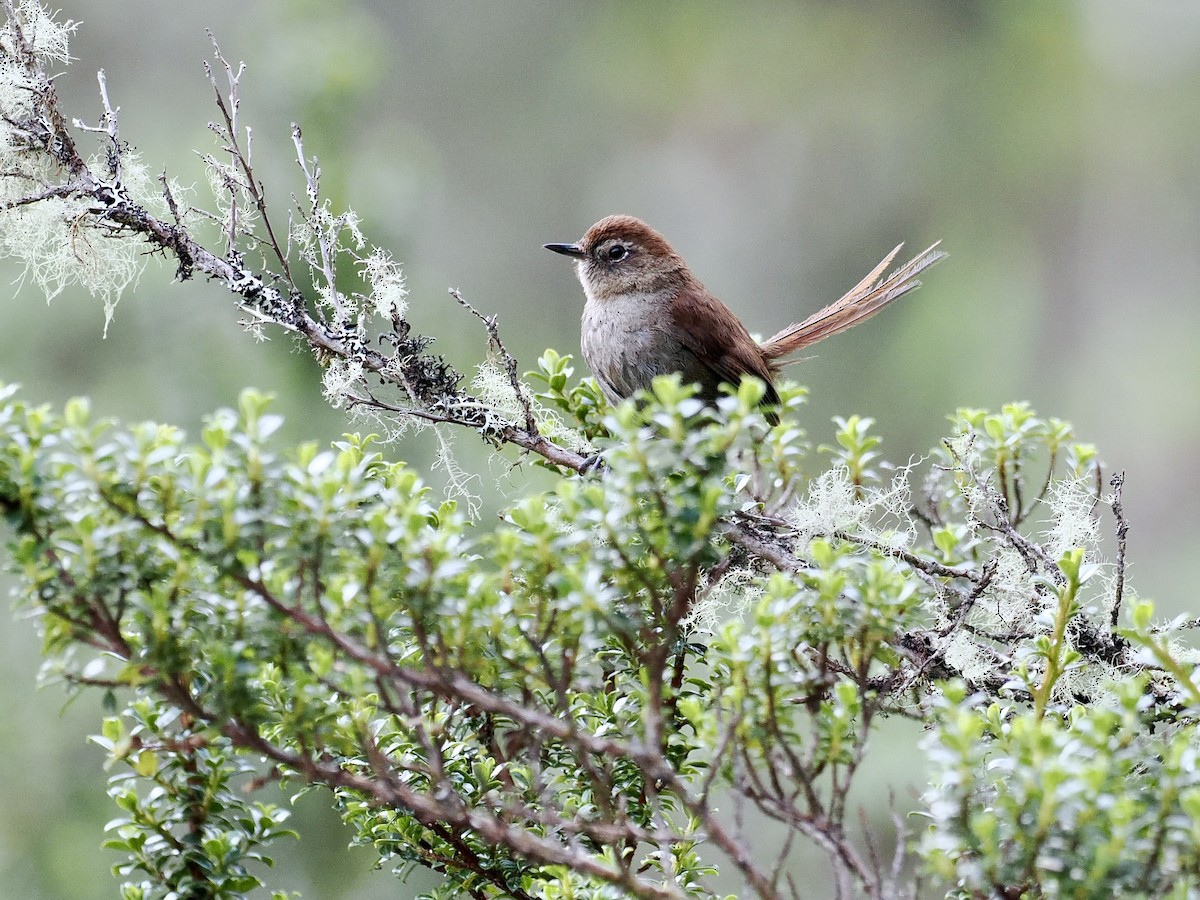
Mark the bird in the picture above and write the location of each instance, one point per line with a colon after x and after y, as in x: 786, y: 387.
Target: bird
x: 646, y: 315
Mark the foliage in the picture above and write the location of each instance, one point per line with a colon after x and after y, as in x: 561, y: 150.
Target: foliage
x: 1092, y: 801
x: 191, y: 833
x: 525, y: 709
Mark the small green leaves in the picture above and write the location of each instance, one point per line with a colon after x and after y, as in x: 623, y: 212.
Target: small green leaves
x: 583, y: 403
x: 1160, y: 646
x: 856, y: 448
x: 193, y: 830
x: 610, y: 655
x: 750, y: 393
x: 1074, y: 805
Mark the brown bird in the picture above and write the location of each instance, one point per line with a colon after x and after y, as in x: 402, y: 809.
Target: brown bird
x: 647, y: 314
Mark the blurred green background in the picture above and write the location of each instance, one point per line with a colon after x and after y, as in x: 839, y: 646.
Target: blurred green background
x: 782, y: 147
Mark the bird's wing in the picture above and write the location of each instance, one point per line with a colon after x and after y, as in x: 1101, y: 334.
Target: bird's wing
x: 709, y: 330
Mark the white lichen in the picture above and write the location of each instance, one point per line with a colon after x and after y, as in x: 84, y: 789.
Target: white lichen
x: 60, y: 244
x: 1010, y: 603
x: 58, y: 238
x: 964, y: 654
x: 1071, y: 501
x: 388, y: 291
x: 491, y: 385
x: 458, y: 480
x: 322, y: 233
x: 729, y: 599
x: 235, y: 209
x: 50, y: 39
x: 835, y: 505
x: 340, y: 376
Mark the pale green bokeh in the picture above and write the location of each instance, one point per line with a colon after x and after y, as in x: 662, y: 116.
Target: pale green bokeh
x: 783, y: 148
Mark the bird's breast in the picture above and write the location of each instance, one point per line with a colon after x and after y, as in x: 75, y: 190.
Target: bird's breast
x: 626, y: 342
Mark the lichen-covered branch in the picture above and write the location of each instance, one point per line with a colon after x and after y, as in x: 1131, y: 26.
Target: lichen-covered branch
x: 340, y: 329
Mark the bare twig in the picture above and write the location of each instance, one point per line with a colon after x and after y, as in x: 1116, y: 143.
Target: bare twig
x: 510, y: 363
x: 1118, y: 482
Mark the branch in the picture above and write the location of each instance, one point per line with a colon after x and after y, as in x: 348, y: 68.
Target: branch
x: 431, y: 385
x: 1118, y: 482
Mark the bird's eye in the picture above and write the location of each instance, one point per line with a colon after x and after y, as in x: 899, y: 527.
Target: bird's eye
x: 617, y: 252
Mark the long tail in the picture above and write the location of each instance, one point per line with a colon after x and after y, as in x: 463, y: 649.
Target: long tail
x: 861, y: 302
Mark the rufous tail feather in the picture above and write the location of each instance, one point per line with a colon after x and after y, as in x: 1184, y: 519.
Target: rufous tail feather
x: 861, y: 302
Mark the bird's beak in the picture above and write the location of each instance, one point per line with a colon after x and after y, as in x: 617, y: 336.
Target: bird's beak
x: 567, y: 249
